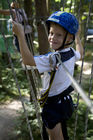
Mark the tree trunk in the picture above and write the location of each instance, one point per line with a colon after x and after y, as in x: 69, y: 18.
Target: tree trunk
x: 48, y: 6
x: 28, y: 6
x: 41, y: 15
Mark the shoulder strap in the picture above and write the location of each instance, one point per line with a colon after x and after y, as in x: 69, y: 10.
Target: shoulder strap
x: 65, y: 56
x: 44, y: 96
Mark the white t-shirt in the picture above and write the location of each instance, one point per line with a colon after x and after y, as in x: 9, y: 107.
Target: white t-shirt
x: 61, y: 81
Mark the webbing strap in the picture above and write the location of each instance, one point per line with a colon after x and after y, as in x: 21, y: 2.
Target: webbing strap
x: 44, y: 96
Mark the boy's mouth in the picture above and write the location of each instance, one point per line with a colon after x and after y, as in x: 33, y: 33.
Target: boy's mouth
x: 53, y: 42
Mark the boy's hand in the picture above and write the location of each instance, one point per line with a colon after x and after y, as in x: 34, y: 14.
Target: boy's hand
x: 17, y: 28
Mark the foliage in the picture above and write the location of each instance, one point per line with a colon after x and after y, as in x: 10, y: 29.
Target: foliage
x: 9, y: 83
x: 89, y: 52
x: 22, y: 129
x: 10, y: 45
x: 21, y: 124
x: 82, y: 110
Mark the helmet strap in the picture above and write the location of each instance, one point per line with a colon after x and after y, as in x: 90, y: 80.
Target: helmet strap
x: 63, y: 45
x: 70, y: 42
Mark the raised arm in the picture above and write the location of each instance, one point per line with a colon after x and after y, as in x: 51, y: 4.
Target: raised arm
x: 27, y: 56
x: 78, y: 43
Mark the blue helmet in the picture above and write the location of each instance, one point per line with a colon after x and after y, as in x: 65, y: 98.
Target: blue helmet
x: 66, y: 20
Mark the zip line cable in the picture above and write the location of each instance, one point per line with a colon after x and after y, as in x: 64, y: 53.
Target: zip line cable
x: 18, y: 87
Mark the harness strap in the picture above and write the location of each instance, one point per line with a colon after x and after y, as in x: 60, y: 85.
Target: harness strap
x: 44, y: 96
x: 56, y: 98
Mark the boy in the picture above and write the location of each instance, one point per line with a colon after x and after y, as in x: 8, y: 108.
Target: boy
x: 62, y: 29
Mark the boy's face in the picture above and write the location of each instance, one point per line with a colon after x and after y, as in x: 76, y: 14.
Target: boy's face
x: 57, y: 35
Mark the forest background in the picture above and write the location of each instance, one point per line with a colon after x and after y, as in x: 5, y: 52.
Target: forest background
x: 83, y: 10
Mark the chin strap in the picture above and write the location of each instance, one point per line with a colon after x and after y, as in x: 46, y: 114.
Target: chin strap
x: 70, y: 42
x: 62, y: 47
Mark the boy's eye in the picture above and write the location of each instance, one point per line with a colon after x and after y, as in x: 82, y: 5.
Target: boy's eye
x: 59, y: 35
x: 51, y: 33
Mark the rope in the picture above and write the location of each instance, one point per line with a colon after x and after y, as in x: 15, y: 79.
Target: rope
x: 35, y: 101
x: 31, y: 46
x: 31, y: 49
x: 10, y: 9
x: 28, y: 36
x: 33, y: 95
x: 18, y: 87
x: 80, y: 79
x: 87, y: 110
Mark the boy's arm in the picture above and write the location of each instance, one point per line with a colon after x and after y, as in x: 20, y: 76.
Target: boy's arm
x: 27, y: 56
x: 79, y: 46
